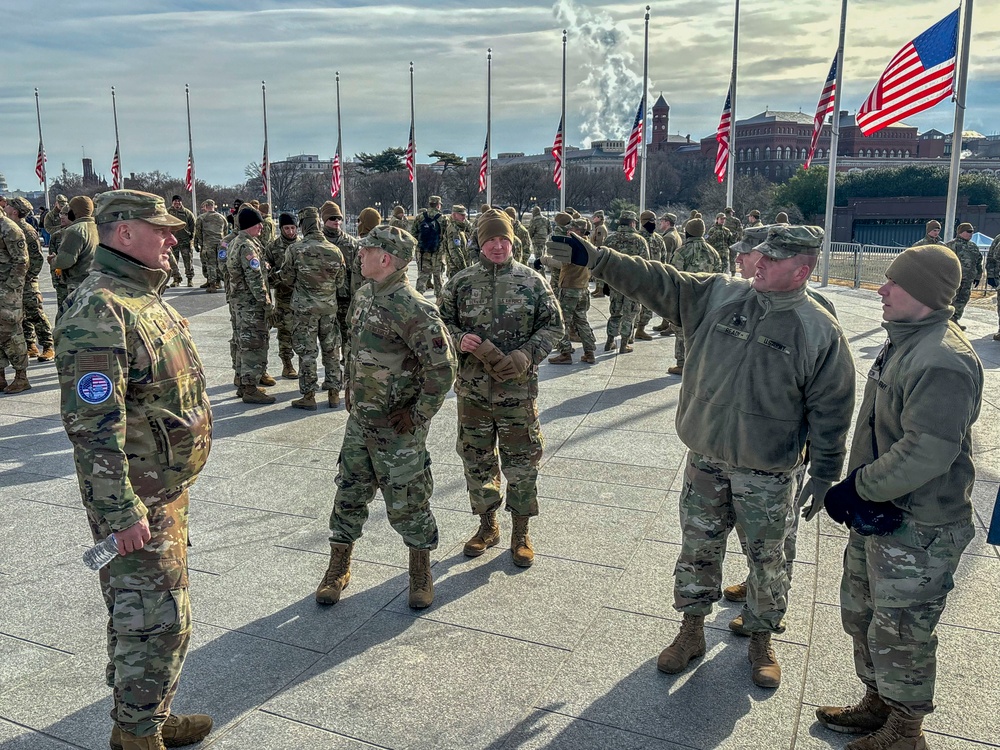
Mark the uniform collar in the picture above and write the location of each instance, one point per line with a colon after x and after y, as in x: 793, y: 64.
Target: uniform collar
x: 490, y: 265
x: 390, y: 283
x: 901, y: 330
x: 121, y: 266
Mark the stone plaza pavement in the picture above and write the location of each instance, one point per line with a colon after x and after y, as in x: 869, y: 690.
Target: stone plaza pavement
x: 561, y: 655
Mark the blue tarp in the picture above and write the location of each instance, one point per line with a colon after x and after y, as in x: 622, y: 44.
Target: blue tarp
x: 982, y: 240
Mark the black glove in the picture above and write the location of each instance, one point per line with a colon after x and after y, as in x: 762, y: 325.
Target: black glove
x: 537, y: 264
x: 976, y: 283
x: 992, y: 281
x: 578, y: 252
x: 846, y: 506
x: 842, y: 499
x: 402, y: 421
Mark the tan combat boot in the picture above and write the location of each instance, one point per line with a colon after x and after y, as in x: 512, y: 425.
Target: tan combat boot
x: 267, y: 380
x: 766, y: 672
x: 338, y: 574
x: 689, y: 644
x: 488, y: 535
x: 588, y: 358
x: 254, y: 395
x: 47, y: 355
x: 520, y: 543
x: 663, y: 325
x: 212, y: 288
x: 609, y: 344
x: 736, y: 593
x: 421, y: 584
x: 675, y: 370
x: 625, y: 348
x: 130, y: 742
x: 563, y: 358
x: 900, y: 732
x: 737, y: 626
x: 308, y: 402
x: 288, y: 371
x: 33, y: 349
x: 641, y: 335
x: 19, y: 383
x: 177, y: 731
x: 869, y: 715
x: 333, y: 399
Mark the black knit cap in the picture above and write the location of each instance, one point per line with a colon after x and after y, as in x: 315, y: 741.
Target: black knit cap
x: 249, y: 217
x: 285, y: 220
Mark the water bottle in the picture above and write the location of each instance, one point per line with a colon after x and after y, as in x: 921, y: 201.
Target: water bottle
x: 101, y: 553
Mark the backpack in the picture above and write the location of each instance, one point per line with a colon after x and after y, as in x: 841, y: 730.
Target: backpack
x: 429, y: 233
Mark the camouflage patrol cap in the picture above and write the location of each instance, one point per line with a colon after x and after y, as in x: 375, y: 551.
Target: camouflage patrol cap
x: 672, y: 218
x: 62, y: 200
x: 398, y: 211
x: 754, y: 213
x: 536, y: 210
x: 720, y: 215
x: 646, y: 216
x: 728, y: 210
x: 393, y: 240
x: 752, y: 236
x: 458, y: 208
x: 125, y: 205
x: 434, y: 200
x: 788, y: 241
x: 580, y: 225
x: 599, y: 214
x: 627, y: 216
x: 22, y: 205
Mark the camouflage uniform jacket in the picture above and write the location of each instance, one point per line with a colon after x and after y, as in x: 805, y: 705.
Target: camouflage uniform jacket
x: 671, y: 242
x: 629, y: 242
x: 275, y: 254
x: 657, y: 248
x: 246, y: 270
x: 210, y: 226
x: 789, y: 351
x: 134, y: 400
x: 403, y: 224
x: 314, y: 270
x: 697, y: 256
x: 185, y: 234
x: 924, y: 462
x: 400, y: 355
x: 993, y: 259
x: 720, y: 238
x: 735, y: 226
x: 52, y: 223
x: 539, y: 229
x: 512, y: 306
x: 522, y: 234
x: 348, y: 245
x: 13, y: 260
x: 970, y: 257
x: 269, y: 232
x: 35, y: 257
x: 928, y: 240
x: 76, y: 251
x: 457, y: 242
x: 431, y: 213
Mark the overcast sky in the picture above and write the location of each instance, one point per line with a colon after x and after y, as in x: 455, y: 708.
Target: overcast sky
x: 148, y: 50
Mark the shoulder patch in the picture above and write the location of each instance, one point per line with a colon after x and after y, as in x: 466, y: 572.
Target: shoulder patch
x: 86, y: 362
x: 94, y: 387
x: 254, y: 263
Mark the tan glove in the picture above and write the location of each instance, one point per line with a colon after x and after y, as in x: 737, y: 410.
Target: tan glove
x: 489, y: 355
x: 514, y: 365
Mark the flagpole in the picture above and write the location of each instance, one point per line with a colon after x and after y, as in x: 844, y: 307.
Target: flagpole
x: 645, y: 85
x: 41, y: 147
x: 194, y: 187
x: 118, y: 151
x: 489, y: 125
x: 340, y: 154
x: 831, y: 178
x: 565, y: 140
x: 413, y: 138
x: 731, y: 160
x: 951, y: 206
x: 267, y: 159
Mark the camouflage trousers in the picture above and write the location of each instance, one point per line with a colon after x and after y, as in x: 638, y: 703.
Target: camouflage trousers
x: 791, y: 537
x: 252, y: 339
x: 457, y: 260
x: 13, y: 350
x: 678, y: 343
x: 283, y: 321
x: 182, y: 251
x: 892, y: 595
x: 431, y: 266
x: 312, y: 336
x: 574, y: 304
x: 961, y: 299
x: 554, y: 278
x: 36, y: 326
x: 645, y: 315
x: 538, y: 248
x: 399, y: 465
x: 715, y: 497
x: 234, y: 340
x: 149, y: 619
x: 495, y: 438
x: 732, y: 262
x: 210, y: 261
x: 622, y: 315
x: 343, y: 304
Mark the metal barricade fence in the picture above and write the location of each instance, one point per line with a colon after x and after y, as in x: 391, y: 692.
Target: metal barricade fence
x: 859, y: 264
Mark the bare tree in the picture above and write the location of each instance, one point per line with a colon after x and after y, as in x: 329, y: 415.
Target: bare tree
x: 517, y: 184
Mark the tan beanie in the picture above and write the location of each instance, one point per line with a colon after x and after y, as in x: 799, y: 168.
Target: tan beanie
x: 511, y: 212
x: 563, y: 219
x: 929, y: 273
x: 694, y: 228
x: 82, y: 206
x: 781, y: 218
x: 932, y: 225
x: 494, y: 223
x: 368, y: 219
x: 330, y: 210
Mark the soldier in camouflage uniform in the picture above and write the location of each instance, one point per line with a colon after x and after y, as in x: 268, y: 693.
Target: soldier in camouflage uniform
x: 505, y: 320
x: 429, y: 229
x: 333, y: 230
x: 13, y: 270
x: 456, y: 240
x: 932, y: 234
x: 993, y: 275
x: 209, y: 229
x: 51, y: 223
x: 135, y: 407
x: 37, y: 331
x: 733, y: 224
x: 672, y: 242
x: 623, y: 310
x: 251, y: 304
x: 313, y: 272
x: 398, y: 218
x: 185, y: 238
x: 971, y: 259
x: 694, y: 256
x: 282, y: 318
x: 574, y: 299
x: 401, y: 365
x: 722, y: 239
x: 55, y: 240
x: 657, y: 252
x: 77, y: 245
x: 522, y: 244
x: 598, y: 236
x: 794, y: 366
x: 539, y: 229
x: 268, y: 232
x: 907, y: 501
x: 753, y: 218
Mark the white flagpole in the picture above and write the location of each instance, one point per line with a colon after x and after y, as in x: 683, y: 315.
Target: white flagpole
x: 41, y: 145
x: 413, y: 139
x: 340, y: 153
x: 731, y: 161
x: 951, y: 206
x: 194, y: 186
x: 267, y: 156
x: 118, y: 151
x: 831, y: 178
x: 645, y: 85
x: 489, y: 125
x: 565, y: 139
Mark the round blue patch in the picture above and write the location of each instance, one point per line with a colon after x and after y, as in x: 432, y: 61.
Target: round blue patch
x: 222, y: 253
x: 94, y: 387
x: 255, y: 264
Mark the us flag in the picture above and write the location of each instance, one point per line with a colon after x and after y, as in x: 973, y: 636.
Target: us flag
x: 557, y: 154
x: 116, y: 171
x: 722, y: 136
x: 824, y: 108
x: 40, y: 163
x: 484, y: 165
x: 263, y: 172
x: 189, y: 175
x: 335, y: 177
x: 918, y: 77
x: 411, y: 155
x: 634, y: 141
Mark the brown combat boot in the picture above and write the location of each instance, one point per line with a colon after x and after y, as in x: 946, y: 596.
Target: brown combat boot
x: 130, y: 742
x: 563, y: 358
x: 900, y: 732
x: 675, y: 370
x: 520, y: 543
x: 206, y: 285
x: 663, y: 325
x: 267, y: 380
x: 625, y: 348
x: 766, y: 672
x: 599, y: 292
x: 47, y: 355
x: 177, y: 731
x: 488, y: 535
x: 19, y: 383
x: 239, y: 385
x: 212, y: 288
x: 736, y: 593
x: 421, y: 584
x: 588, y: 358
x: 666, y: 332
x: 308, y: 402
x: 333, y: 399
x: 254, y: 395
x: 869, y: 715
x: 609, y: 344
x: 737, y: 626
x: 190, y: 283
x: 288, y: 371
x: 641, y: 335
x: 338, y: 574
x: 689, y: 644
x: 33, y: 349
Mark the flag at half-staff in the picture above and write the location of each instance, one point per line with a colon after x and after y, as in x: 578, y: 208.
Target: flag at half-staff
x: 824, y: 108
x: 410, y: 155
x: 40, y: 163
x: 484, y: 165
x: 116, y: 171
x: 722, y: 136
x: 557, y: 154
x: 336, y: 176
x: 634, y: 142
